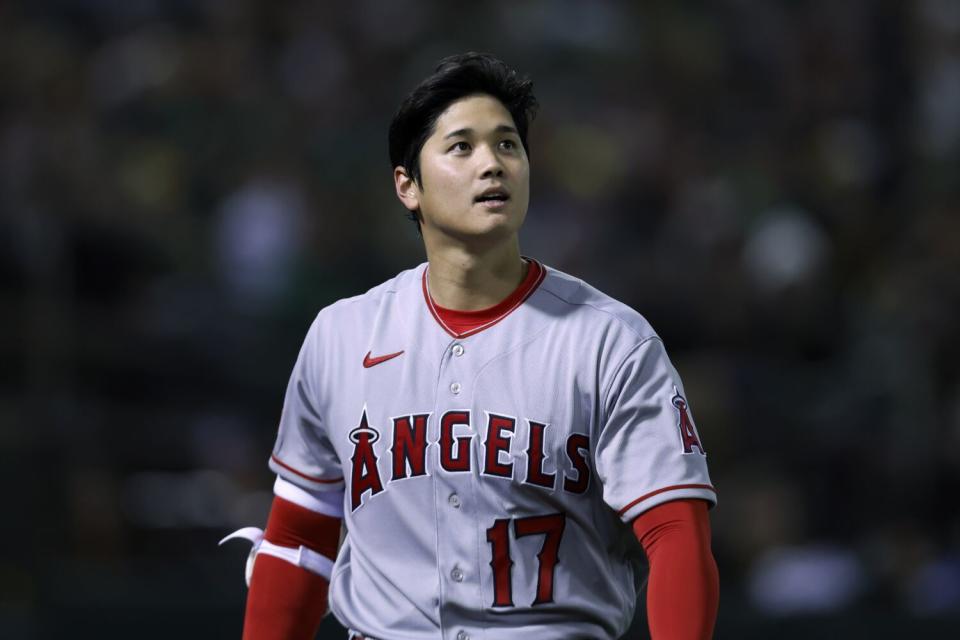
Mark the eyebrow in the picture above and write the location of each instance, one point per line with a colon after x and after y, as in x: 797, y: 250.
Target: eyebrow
x: 503, y: 128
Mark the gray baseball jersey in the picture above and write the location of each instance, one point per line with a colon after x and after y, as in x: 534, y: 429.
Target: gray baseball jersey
x: 487, y: 477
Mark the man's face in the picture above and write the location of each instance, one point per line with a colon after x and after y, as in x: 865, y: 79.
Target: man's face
x: 475, y: 176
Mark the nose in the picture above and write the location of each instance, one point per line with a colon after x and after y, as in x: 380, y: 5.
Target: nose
x: 490, y: 164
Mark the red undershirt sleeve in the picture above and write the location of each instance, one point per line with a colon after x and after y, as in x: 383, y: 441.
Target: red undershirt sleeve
x: 683, y: 590
x: 285, y: 601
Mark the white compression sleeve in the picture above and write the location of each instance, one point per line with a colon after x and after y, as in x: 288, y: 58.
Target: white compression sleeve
x: 329, y: 503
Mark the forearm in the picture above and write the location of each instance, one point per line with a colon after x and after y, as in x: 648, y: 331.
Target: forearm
x: 285, y: 602
x: 288, y: 595
x: 683, y: 588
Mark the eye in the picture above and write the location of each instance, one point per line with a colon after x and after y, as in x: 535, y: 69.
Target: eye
x: 460, y: 146
x: 508, y: 144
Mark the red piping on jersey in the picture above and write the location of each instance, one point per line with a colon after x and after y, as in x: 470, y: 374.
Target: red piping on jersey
x: 303, y: 475
x: 491, y: 315
x: 670, y: 488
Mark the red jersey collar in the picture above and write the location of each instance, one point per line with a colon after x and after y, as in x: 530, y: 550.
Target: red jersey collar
x: 461, y: 324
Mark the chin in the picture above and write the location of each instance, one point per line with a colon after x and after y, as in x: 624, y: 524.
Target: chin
x: 498, y: 223
x: 481, y: 226
x: 484, y: 233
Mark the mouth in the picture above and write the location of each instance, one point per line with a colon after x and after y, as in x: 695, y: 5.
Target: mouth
x: 495, y: 198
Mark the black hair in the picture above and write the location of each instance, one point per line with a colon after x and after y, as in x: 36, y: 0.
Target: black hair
x: 456, y: 77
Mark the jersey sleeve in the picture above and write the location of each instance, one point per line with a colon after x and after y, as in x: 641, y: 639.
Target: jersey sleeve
x: 303, y: 454
x: 648, y: 449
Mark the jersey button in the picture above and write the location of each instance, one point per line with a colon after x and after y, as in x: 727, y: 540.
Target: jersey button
x: 455, y: 388
x: 454, y: 500
x: 458, y: 350
x: 457, y: 575
x: 463, y: 635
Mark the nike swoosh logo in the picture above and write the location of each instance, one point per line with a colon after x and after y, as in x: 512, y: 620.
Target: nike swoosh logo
x: 370, y: 362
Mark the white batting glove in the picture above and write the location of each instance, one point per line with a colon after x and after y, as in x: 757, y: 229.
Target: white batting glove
x: 254, y: 535
x: 300, y: 557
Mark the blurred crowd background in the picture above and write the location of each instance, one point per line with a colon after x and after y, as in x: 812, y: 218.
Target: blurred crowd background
x: 185, y: 183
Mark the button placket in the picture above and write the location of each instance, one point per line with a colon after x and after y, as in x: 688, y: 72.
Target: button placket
x: 455, y: 372
x: 457, y: 350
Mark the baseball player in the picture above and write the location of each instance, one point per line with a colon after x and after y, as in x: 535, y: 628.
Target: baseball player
x: 493, y: 434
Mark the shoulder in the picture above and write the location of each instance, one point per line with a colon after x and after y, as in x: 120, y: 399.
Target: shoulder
x: 364, y: 306
x: 596, y: 309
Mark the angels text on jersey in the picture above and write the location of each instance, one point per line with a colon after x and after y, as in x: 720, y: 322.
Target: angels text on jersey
x: 407, y: 454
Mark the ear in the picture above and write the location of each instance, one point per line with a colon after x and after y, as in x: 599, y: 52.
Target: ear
x: 407, y: 189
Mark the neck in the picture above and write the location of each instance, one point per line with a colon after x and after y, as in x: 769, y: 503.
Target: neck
x: 469, y: 280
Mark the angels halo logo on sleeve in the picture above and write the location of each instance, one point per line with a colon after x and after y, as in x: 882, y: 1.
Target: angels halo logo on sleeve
x: 688, y: 433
